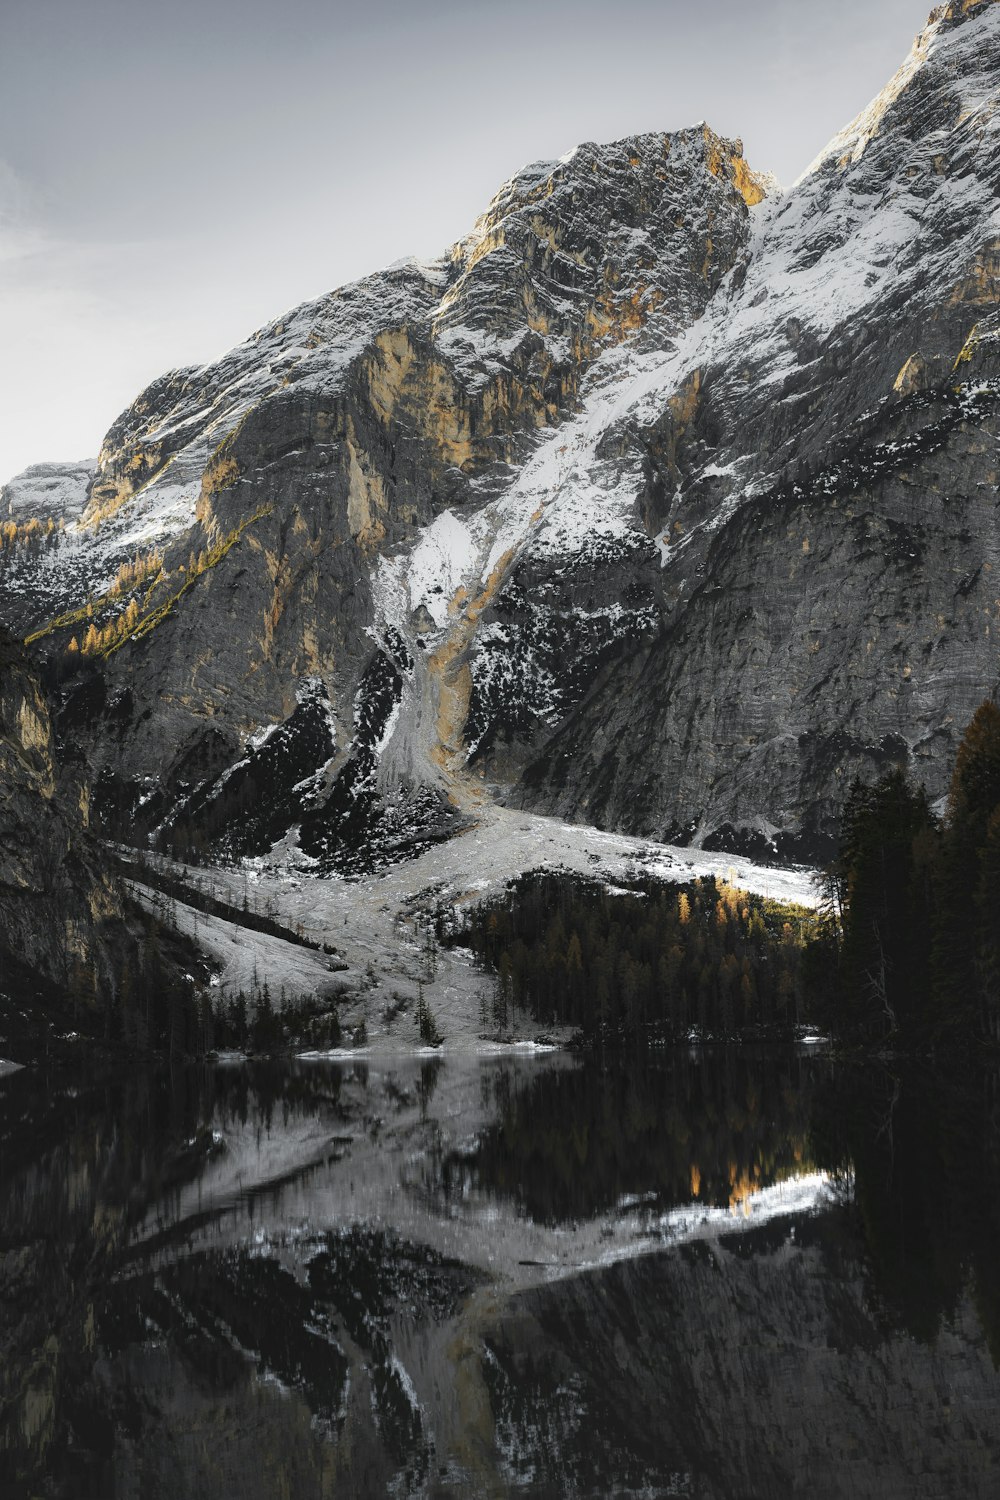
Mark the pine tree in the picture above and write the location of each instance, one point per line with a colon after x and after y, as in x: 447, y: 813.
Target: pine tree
x: 988, y: 923
x: 888, y: 921
x: 962, y: 927
x: 975, y: 783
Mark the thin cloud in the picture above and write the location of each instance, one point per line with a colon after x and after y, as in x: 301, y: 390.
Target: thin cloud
x: 74, y: 355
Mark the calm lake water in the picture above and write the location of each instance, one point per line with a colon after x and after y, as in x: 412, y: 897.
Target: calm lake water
x: 722, y: 1274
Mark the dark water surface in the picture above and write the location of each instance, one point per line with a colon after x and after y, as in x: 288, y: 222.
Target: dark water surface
x: 723, y: 1274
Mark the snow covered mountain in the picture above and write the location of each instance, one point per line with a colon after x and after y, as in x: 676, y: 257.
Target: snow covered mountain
x: 664, y: 500
x: 48, y: 490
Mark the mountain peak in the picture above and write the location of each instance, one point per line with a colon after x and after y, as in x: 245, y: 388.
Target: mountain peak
x: 647, y: 152
x: 955, y: 12
x: 944, y: 75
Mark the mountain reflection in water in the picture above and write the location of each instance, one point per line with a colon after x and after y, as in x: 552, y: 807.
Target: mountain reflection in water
x: 720, y: 1274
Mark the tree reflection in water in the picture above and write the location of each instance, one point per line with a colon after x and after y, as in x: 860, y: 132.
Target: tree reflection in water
x: 919, y: 1152
x: 710, y: 1127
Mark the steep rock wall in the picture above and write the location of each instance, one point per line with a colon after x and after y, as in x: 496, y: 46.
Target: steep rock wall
x: 61, y: 914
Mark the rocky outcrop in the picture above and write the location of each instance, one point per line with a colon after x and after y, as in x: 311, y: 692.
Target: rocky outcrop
x: 61, y: 914
x: 47, y: 490
x: 262, y: 495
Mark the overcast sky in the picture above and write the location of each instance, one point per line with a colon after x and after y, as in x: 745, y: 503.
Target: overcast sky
x: 173, y: 174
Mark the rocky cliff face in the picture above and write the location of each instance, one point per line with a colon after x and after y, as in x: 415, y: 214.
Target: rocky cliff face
x: 60, y: 913
x: 664, y: 500
x: 827, y: 495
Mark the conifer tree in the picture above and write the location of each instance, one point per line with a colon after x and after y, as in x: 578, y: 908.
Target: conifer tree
x: 888, y: 920
x: 961, y: 945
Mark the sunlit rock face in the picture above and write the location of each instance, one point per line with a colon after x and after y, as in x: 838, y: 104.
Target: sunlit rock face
x: 265, y: 494
x: 59, y: 912
x: 665, y: 499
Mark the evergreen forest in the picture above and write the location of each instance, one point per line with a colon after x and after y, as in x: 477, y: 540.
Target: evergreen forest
x: 904, y: 951
x: 649, y: 963
x: 909, y: 952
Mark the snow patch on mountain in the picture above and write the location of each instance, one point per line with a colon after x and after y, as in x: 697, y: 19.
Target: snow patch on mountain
x: 444, y: 558
x: 51, y: 490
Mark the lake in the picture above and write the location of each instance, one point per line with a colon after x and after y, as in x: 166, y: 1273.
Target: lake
x: 722, y: 1273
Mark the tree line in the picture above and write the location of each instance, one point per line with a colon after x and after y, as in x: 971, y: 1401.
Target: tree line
x: 32, y: 536
x: 909, y: 951
x: 163, y: 1002
x: 904, y: 951
x: 651, y: 963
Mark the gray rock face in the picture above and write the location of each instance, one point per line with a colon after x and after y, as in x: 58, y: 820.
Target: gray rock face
x: 836, y: 626
x: 827, y: 491
x: 664, y: 499
x: 60, y: 914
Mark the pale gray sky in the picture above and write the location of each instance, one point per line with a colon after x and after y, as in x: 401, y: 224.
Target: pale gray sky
x: 173, y: 174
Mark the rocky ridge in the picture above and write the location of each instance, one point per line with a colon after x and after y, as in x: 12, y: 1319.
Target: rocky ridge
x: 665, y: 500
x: 828, y: 496
x: 61, y: 914
x: 44, y: 490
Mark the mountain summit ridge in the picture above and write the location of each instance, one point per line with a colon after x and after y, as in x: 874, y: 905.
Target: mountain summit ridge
x: 942, y: 20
